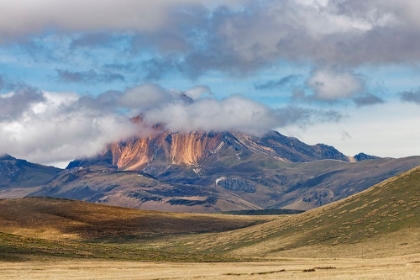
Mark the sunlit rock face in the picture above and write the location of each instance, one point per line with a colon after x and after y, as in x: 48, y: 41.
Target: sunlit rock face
x: 175, y: 148
x: 156, y: 144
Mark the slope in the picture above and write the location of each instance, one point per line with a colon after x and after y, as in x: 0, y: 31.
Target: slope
x: 45, y: 227
x: 381, y: 221
x: 137, y: 190
x: 254, y: 182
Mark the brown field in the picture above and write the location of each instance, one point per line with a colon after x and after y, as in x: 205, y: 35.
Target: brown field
x: 391, y: 268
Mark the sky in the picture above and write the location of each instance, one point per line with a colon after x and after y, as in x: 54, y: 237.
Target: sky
x: 340, y: 72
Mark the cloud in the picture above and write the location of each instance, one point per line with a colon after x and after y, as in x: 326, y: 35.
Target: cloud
x: 23, y: 17
x: 333, y: 84
x: 342, y: 33
x: 145, y: 96
x: 345, y: 135
x: 13, y: 105
x: 198, y: 91
x: 90, y: 76
x: 194, y: 37
x: 367, y: 100
x: 411, y: 96
x: 277, y: 83
x: 47, y: 127
x: 233, y: 113
x: 50, y: 127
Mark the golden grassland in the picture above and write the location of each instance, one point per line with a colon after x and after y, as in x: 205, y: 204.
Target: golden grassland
x: 389, y: 268
x: 371, y: 235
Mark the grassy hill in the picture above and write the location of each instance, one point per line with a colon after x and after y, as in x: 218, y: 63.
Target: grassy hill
x: 38, y: 226
x: 381, y: 221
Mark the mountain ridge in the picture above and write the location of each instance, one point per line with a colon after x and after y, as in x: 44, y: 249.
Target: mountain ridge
x: 213, y: 172
x: 197, y: 147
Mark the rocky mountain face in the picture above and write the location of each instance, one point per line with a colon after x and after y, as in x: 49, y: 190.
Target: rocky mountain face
x: 201, y: 148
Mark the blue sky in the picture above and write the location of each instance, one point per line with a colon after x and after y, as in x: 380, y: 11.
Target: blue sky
x: 343, y: 73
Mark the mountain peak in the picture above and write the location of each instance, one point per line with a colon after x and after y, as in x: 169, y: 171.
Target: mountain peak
x: 363, y: 156
x: 6, y: 157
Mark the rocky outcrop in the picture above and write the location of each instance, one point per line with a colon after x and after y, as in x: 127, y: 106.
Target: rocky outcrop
x: 234, y: 184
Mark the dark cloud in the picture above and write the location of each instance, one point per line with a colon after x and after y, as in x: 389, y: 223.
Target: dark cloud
x: 287, y: 80
x: 13, y: 105
x: 188, y: 37
x: 90, y: 76
x: 367, y: 100
x: 411, y: 96
x: 305, y: 117
x: 264, y: 32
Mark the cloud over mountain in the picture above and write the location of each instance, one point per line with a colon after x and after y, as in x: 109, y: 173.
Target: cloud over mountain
x: 54, y: 127
x: 237, y: 64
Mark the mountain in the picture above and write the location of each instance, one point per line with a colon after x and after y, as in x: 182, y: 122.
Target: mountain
x: 137, y: 190
x: 226, y: 171
x: 200, y: 148
x: 363, y: 156
x: 19, y: 177
x: 205, y: 172
x: 255, y: 182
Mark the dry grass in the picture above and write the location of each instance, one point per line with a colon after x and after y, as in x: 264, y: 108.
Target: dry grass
x: 392, y: 268
x: 61, y: 219
x: 382, y: 221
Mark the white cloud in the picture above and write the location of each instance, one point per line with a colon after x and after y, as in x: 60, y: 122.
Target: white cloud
x: 54, y: 130
x: 233, y: 113
x: 331, y: 84
x: 198, y: 91
x: 50, y: 127
x: 144, y: 96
